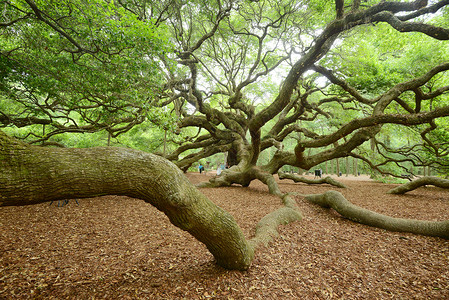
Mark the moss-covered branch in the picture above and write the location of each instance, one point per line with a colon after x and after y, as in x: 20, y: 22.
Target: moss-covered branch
x: 423, y: 181
x: 297, y: 178
x: 338, y: 202
x: 30, y: 175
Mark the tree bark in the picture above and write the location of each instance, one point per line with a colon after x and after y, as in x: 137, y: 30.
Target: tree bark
x: 31, y: 174
x: 354, y: 168
x: 296, y: 178
x: 232, y: 158
x: 412, y: 185
x: 335, y: 200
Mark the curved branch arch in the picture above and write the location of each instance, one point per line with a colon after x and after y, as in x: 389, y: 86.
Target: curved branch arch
x: 33, y: 175
x: 337, y: 201
x: 296, y: 178
x: 423, y: 181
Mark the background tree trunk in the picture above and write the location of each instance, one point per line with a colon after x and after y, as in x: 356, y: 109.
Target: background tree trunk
x: 232, y: 157
x: 165, y: 142
x: 347, y: 166
x: 337, y: 161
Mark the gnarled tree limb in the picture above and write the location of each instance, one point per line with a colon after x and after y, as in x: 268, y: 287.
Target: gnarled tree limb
x: 30, y: 175
x: 297, y: 178
x: 337, y: 201
x: 412, y: 185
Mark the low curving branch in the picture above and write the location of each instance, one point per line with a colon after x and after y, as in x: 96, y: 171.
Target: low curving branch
x: 338, y: 202
x: 297, y: 178
x: 423, y: 181
x: 31, y: 175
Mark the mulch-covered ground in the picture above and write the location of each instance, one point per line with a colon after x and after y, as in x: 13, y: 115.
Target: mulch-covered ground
x: 121, y: 248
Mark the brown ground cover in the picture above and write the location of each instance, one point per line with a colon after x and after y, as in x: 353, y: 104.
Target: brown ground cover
x: 121, y: 248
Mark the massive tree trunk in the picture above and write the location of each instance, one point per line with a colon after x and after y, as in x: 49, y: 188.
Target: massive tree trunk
x: 423, y: 181
x: 335, y: 200
x: 30, y: 174
x: 232, y: 159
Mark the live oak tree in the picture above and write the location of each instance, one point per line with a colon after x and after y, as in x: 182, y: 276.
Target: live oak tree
x: 247, y: 76
x: 333, y: 97
x: 32, y: 174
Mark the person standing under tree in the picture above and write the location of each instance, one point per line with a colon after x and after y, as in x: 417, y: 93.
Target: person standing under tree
x: 220, y: 168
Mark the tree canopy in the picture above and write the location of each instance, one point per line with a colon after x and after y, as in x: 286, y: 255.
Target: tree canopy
x: 76, y: 66
x: 324, y: 78
x: 313, y: 80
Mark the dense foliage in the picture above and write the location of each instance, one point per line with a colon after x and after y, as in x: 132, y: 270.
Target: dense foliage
x: 77, y: 66
x: 273, y: 84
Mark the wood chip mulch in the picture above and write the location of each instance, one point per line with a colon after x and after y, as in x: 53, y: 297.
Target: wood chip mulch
x: 121, y: 248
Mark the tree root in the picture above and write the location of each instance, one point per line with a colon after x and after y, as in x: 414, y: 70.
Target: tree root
x: 412, y: 185
x: 266, y: 228
x: 335, y: 200
x: 297, y: 178
x: 215, y: 184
